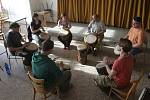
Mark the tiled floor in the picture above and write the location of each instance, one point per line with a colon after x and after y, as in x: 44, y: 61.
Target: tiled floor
x: 18, y: 87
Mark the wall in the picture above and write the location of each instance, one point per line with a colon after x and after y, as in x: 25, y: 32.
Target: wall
x: 17, y: 9
x: 39, y: 5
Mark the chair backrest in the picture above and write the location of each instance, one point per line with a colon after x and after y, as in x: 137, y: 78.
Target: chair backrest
x: 38, y: 84
x: 134, y: 85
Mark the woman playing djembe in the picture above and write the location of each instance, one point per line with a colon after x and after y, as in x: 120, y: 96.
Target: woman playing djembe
x: 65, y: 35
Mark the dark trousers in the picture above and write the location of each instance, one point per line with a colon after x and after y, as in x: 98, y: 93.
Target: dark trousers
x: 65, y: 81
x: 66, y: 40
x: 135, y: 51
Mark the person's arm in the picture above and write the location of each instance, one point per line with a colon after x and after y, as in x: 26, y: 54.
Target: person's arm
x: 90, y: 25
x: 140, y: 40
x: 59, y: 23
x: 17, y: 49
x: 110, y: 72
x: 32, y: 28
x: 34, y: 31
x: 103, y: 27
x: 69, y: 25
x: 127, y: 35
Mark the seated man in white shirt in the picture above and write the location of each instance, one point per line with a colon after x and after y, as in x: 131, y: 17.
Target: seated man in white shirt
x: 97, y: 28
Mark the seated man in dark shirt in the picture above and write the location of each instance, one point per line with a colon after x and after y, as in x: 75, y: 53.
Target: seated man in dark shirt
x: 13, y: 41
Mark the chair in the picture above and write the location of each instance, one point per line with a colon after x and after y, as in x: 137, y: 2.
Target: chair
x: 38, y: 87
x: 125, y: 93
x: 2, y: 38
x: 10, y: 56
x: 144, y: 49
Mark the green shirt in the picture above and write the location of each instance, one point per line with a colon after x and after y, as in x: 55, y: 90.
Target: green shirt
x: 45, y: 68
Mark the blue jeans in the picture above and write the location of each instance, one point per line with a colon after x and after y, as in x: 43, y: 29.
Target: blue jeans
x: 135, y: 51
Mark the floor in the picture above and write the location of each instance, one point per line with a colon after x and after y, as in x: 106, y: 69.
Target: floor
x: 18, y: 86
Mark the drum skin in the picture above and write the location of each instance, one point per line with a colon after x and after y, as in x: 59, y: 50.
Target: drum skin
x: 66, y: 39
x: 117, y: 50
x: 90, y: 39
x: 31, y: 47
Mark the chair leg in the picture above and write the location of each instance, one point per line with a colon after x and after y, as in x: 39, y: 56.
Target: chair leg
x: 9, y: 63
x: 44, y: 96
x: 33, y: 94
x: 110, y: 92
x: 16, y: 59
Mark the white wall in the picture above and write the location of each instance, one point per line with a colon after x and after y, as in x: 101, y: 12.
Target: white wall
x: 39, y: 5
x: 17, y: 9
x: 25, y: 8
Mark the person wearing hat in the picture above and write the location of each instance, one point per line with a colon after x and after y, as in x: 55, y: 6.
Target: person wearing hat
x: 66, y: 36
x: 14, y: 43
x: 136, y: 35
x: 45, y: 68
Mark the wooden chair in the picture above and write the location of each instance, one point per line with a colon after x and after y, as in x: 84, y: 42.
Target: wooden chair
x: 143, y: 50
x: 125, y: 93
x: 38, y: 87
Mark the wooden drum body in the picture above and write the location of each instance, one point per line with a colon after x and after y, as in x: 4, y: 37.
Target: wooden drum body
x: 82, y: 54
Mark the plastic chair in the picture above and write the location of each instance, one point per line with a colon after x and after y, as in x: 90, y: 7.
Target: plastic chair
x: 38, y: 87
x: 125, y: 93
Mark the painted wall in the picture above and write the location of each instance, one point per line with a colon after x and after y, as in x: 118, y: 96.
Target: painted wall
x: 39, y: 5
x: 25, y: 8
x: 17, y: 9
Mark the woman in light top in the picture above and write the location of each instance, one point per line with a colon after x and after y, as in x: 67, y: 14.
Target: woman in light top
x: 65, y: 25
x: 64, y: 21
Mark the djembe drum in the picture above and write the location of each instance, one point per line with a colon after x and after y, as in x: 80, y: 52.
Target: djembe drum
x: 117, y: 50
x: 65, y: 36
x: 31, y: 47
x: 44, y: 36
x: 82, y: 53
x: 90, y: 41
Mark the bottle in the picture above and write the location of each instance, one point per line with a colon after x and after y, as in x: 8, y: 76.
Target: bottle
x: 7, y: 67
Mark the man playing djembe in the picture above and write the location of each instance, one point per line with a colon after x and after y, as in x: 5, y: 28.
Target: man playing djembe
x: 97, y: 28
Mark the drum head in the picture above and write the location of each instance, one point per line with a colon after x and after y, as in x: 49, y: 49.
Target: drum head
x: 63, y: 32
x: 90, y: 39
x: 32, y: 46
x: 44, y: 36
x: 117, y: 50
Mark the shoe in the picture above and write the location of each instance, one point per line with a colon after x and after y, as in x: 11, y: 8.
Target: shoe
x: 64, y: 48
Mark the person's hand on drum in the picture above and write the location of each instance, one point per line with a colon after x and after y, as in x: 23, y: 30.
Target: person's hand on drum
x: 107, y: 60
x: 61, y: 65
x: 23, y: 46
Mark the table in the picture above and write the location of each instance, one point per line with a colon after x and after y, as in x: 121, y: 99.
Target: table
x: 44, y: 15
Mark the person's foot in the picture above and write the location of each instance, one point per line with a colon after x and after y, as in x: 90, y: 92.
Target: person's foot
x: 66, y: 48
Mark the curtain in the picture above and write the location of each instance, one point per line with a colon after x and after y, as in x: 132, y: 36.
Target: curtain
x: 117, y: 13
